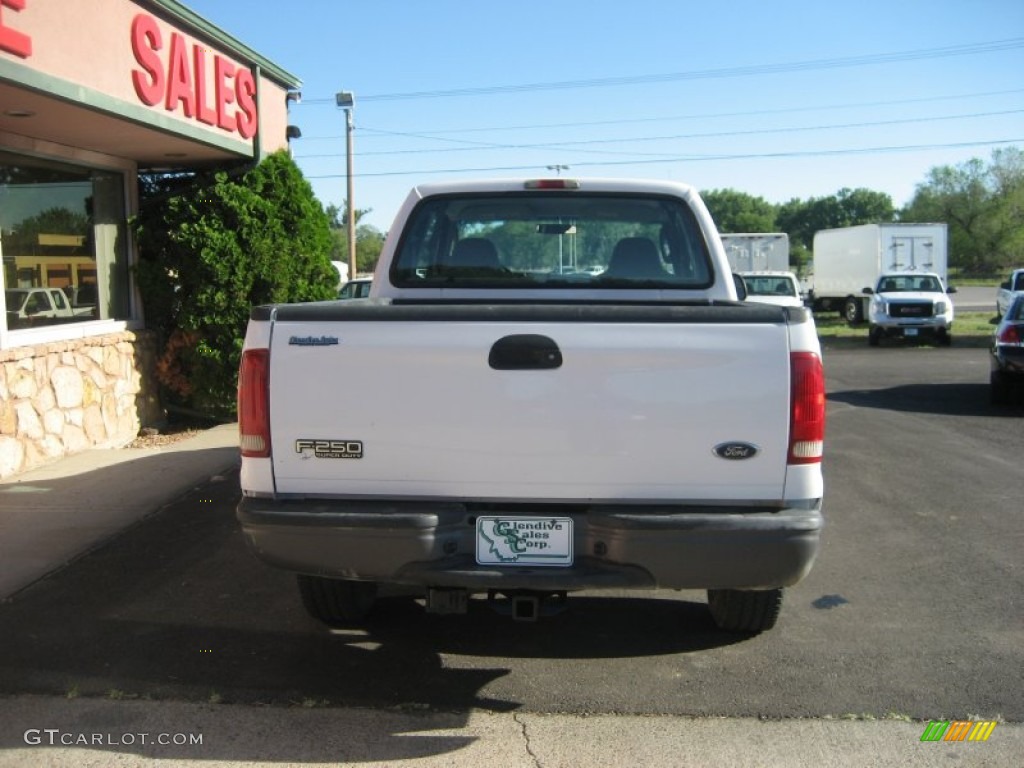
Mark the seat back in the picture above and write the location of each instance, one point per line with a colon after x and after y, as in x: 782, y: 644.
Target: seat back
x: 475, y: 253
x: 635, y: 257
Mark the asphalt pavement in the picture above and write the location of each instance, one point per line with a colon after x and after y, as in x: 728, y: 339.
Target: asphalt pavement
x: 54, y: 515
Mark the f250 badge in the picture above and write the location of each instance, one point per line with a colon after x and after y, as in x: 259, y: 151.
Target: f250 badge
x: 735, y: 451
x: 330, y: 449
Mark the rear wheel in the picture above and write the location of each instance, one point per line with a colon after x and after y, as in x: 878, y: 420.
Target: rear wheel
x: 853, y: 311
x: 337, y: 602
x: 740, y: 610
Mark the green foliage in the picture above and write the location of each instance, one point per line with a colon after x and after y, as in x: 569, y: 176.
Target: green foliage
x: 369, y: 244
x: 983, y: 206
x: 739, y: 212
x: 369, y: 239
x: 52, y: 221
x: 212, y: 246
x: 847, y: 208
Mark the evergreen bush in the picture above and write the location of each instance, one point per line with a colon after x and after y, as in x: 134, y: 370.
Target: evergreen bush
x: 212, y: 246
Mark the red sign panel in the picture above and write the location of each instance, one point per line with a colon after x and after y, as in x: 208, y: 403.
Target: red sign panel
x: 11, y: 40
x: 179, y: 80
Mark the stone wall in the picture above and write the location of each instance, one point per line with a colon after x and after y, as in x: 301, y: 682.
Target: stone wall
x: 63, y: 397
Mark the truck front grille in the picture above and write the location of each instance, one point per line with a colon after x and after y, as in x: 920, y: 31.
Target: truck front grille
x: 910, y: 309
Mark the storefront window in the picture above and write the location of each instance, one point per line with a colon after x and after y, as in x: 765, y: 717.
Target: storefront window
x: 62, y: 238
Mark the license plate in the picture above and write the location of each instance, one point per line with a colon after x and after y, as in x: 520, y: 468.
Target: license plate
x: 544, y: 541
x: 910, y: 331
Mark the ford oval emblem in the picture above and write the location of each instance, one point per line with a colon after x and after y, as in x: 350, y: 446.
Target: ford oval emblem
x: 735, y: 451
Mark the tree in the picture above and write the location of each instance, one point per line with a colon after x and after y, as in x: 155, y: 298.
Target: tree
x: 25, y: 239
x: 846, y: 208
x: 864, y: 206
x: 983, y: 206
x: 369, y: 239
x: 212, y: 246
x: 735, y: 211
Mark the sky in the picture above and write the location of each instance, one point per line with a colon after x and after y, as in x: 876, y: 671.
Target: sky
x: 779, y: 100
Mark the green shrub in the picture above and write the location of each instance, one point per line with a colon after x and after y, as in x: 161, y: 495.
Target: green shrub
x: 211, y: 246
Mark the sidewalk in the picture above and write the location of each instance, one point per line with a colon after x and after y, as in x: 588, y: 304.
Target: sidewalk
x: 52, y: 514
x: 38, y: 730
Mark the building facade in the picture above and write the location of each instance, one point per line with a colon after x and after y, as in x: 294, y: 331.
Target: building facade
x: 91, y: 95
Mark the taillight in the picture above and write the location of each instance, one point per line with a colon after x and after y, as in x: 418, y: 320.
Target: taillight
x: 1010, y: 335
x: 807, y: 408
x: 552, y: 184
x: 254, y: 403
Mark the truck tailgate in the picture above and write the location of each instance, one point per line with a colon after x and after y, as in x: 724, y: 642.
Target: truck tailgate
x: 633, y: 410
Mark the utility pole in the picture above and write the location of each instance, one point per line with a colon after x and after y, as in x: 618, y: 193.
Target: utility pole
x: 346, y: 100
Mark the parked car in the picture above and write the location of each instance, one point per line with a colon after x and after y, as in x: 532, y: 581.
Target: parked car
x: 1007, y: 377
x: 911, y: 305
x: 779, y: 288
x: 1008, y: 290
x: 27, y: 307
x: 359, y: 288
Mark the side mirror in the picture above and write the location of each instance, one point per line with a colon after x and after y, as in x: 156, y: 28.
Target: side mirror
x: 1005, y: 284
x: 951, y: 289
x: 741, y: 287
x: 869, y: 291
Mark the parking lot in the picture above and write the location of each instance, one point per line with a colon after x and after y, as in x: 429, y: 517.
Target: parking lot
x: 911, y: 612
x: 912, y: 607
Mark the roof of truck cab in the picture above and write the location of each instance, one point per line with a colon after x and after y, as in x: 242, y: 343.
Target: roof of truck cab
x: 656, y: 186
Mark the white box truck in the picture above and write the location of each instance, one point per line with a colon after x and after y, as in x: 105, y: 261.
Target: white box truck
x: 850, y: 259
x: 757, y: 251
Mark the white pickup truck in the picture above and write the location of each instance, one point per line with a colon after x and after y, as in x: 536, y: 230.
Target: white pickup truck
x: 27, y: 307
x: 552, y: 388
x: 911, y: 305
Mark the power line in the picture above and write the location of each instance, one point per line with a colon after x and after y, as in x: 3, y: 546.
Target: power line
x: 706, y: 74
x: 697, y: 116
x: 698, y: 158
x: 476, y: 146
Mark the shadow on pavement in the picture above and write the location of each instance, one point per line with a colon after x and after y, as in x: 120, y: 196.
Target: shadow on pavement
x: 177, y: 608
x: 951, y: 399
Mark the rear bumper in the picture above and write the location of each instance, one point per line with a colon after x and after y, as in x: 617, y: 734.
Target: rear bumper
x: 616, y: 546
x: 1008, y: 360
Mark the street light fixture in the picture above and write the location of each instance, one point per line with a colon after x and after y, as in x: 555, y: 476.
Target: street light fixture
x: 558, y: 169
x: 346, y: 100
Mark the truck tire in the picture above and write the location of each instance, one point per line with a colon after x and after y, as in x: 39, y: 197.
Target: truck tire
x: 945, y: 338
x: 874, y: 335
x: 337, y: 602
x: 740, y: 610
x: 853, y: 311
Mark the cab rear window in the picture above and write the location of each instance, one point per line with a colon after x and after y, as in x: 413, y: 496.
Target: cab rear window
x: 552, y: 239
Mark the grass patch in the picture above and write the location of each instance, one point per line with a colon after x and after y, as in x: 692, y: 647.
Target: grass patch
x: 970, y: 329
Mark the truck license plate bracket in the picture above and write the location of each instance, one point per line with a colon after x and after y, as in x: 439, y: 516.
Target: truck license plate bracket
x: 524, y: 541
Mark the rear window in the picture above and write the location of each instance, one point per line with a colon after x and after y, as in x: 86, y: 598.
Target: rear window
x: 770, y: 286
x: 553, y: 240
